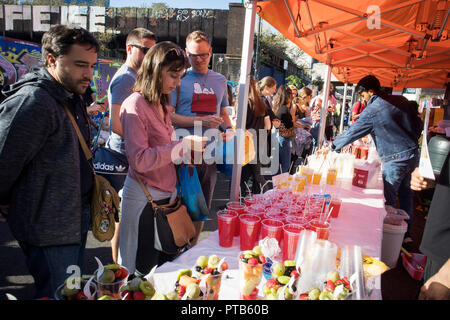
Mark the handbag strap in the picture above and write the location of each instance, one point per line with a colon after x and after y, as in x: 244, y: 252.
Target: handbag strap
x: 147, y: 194
x: 86, y: 151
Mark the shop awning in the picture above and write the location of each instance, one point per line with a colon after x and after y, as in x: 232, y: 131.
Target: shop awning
x: 402, y: 42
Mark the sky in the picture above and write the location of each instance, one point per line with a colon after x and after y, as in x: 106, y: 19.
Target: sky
x: 188, y: 4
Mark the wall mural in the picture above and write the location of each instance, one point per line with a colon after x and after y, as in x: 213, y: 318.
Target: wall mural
x: 19, y: 57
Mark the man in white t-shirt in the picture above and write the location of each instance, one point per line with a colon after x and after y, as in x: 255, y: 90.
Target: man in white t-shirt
x: 202, y: 98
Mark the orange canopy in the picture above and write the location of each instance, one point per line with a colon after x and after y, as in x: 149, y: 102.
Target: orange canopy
x: 402, y: 42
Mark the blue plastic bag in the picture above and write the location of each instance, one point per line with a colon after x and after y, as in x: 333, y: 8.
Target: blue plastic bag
x: 225, y: 157
x: 191, y: 192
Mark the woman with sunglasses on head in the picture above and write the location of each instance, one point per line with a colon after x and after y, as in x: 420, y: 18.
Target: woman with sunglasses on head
x: 150, y: 150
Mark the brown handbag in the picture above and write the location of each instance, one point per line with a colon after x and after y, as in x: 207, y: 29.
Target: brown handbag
x: 286, y: 133
x: 175, y: 228
x: 105, y: 201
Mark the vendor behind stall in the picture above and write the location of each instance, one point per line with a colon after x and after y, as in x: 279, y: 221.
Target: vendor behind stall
x: 395, y: 127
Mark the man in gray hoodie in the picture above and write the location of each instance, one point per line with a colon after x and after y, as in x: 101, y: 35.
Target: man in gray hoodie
x: 45, y: 178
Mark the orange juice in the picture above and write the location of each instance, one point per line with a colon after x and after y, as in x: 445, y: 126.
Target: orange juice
x: 317, y: 177
x: 331, y: 176
x: 308, y: 173
x: 300, y: 183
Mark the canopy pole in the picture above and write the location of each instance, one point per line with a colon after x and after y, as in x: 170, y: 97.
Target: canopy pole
x: 246, y: 62
x: 344, y: 103
x: 324, y: 111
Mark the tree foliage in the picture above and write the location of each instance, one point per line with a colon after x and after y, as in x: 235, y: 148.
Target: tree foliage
x: 296, y: 81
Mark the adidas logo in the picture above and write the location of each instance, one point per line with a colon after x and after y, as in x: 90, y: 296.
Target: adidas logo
x: 120, y: 168
x: 103, y: 166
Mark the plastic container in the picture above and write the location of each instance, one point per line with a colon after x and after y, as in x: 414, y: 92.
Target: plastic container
x: 415, y: 265
x: 392, y: 243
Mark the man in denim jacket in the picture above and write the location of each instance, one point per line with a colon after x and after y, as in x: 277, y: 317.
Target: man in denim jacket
x: 394, y: 125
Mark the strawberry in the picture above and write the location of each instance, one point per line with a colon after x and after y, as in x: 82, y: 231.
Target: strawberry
x: 252, y: 261
x: 118, y: 274
x: 181, y: 291
x: 330, y: 286
x: 124, y: 273
x: 138, y: 295
x: 346, y: 283
x: 224, y: 266
x: 304, y: 296
x: 262, y: 259
x: 294, y: 274
x: 207, y: 270
x: 271, y: 282
x: 338, y: 282
x: 81, y: 296
x: 129, y: 296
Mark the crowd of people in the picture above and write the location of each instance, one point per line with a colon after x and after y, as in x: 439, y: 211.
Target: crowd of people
x: 47, y: 182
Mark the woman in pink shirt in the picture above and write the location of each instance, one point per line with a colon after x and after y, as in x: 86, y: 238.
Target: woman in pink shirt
x: 151, y: 150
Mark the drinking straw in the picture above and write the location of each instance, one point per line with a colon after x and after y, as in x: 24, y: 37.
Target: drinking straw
x: 248, y: 189
x: 240, y: 195
x: 262, y: 188
x: 329, y: 213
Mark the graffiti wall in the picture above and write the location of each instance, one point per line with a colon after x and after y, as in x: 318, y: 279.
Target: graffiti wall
x: 19, y: 57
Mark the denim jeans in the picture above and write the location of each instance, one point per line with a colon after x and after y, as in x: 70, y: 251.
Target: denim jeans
x: 48, y: 265
x: 396, y: 180
x: 284, y: 153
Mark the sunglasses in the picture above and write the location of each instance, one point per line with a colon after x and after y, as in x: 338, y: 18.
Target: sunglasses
x: 144, y: 49
x: 202, y: 56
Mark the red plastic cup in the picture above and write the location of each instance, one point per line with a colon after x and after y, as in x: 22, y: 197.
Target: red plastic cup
x: 228, y: 222
x: 239, y: 208
x: 321, y: 227
x: 303, y: 221
x: 273, y: 229
x: 249, y: 226
x: 249, y: 200
x: 336, y: 205
x: 291, y: 233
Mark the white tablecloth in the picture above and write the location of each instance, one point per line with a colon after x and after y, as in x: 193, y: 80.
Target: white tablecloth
x: 360, y: 222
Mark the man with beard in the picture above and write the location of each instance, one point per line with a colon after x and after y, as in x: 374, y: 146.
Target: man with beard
x: 46, y: 180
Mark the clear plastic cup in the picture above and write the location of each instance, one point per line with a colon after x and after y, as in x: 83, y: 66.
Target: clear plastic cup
x: 239, y: 208
x: 249, y: 279
x: 272, y: 228
x: 213, y: 283
x: 249, y: 200
x: 331, y: 176
x: 303, y: 221
x: 317, y: 176
x: 275, y: 214
x: 300, y: 182
x: 336, y: 205
x: 111, y: 289
x: 291, y: 232
x: 60, y: 296
x: 249, y: 226
x: 308, y: 172
x: 321, y: 227
x: 228, y: 222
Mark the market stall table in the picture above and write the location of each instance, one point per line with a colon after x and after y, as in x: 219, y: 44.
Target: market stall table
x: 360, y: 222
